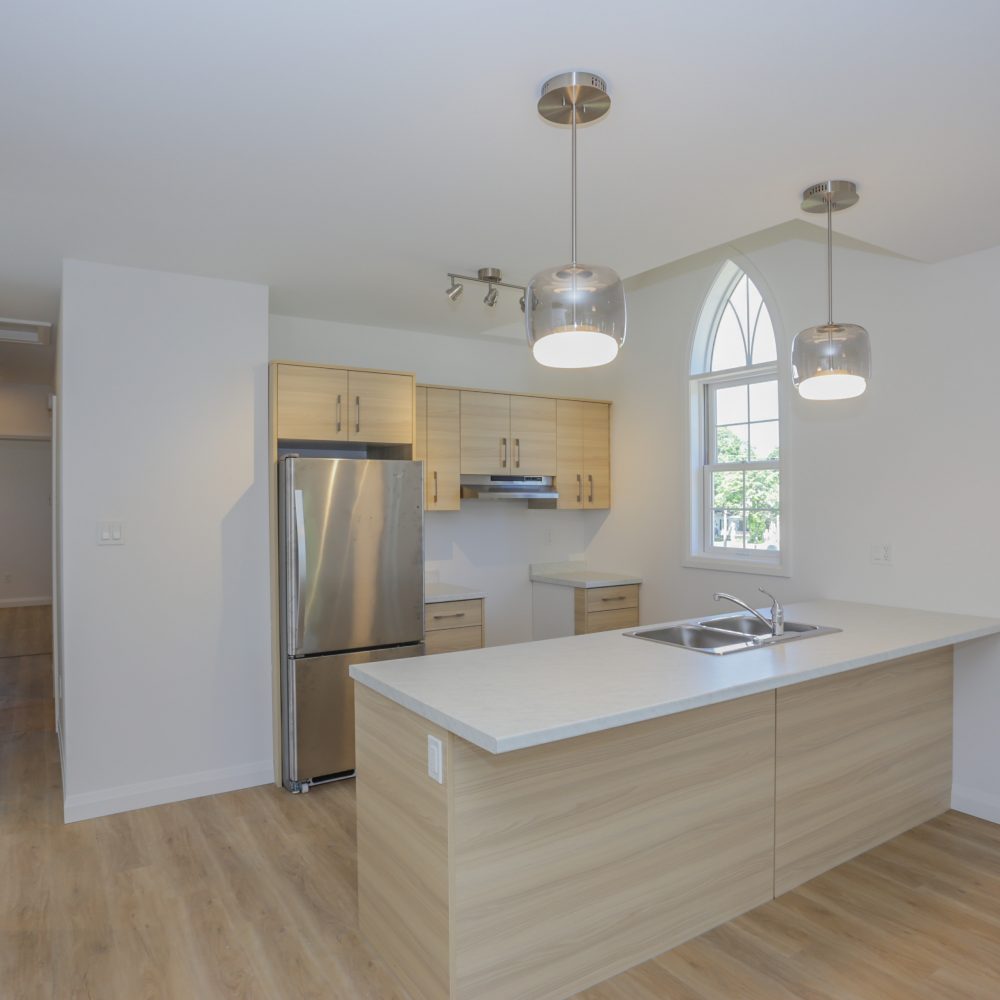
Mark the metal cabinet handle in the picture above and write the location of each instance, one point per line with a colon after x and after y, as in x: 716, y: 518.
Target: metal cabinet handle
x: 503, y: 453
x: 435, y: 486
x: 457, y: 614
x: 357, y: 414
x: 621, y: 597
x: 579, y: 488
x: 517, y: 453
x: 590, y: 479
x: 338, y: 412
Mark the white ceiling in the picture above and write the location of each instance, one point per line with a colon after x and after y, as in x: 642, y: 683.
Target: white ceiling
x: 349, y: 154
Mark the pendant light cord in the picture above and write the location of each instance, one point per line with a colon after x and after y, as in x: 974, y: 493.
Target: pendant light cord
x: 829, y: 259
x: 573, y: 184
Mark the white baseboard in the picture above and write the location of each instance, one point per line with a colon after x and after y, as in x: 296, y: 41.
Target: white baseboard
x: 88, y: 805
x: 23, y: 602
x: 985, y: 805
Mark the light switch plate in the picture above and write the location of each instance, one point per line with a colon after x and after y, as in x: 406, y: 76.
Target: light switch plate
x: 110, y: 533
x: 435, y: 759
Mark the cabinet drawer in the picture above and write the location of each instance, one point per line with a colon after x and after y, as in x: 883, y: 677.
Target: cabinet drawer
x: 607, y: 621
x: 611, y: 598
x: 453, y: 614
x: 451, y: 640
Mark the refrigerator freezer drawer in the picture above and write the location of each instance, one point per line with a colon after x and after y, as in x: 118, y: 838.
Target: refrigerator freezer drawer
x: 319, y: 713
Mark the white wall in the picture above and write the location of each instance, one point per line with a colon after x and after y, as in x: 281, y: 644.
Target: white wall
x: 25, y: 522
x: 166, y: 639
x: 912, y: 462
x: 25, y: 489
x: 24, y: 411
x: 488, y: 546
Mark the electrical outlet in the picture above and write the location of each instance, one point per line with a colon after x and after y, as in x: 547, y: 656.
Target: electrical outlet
x: 435, y: 759
x: 882, y: 554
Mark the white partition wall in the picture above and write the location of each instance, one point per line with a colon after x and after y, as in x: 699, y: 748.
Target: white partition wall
x: 166, y: 631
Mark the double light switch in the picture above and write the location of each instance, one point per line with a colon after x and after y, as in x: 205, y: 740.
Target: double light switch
x: 110, y: 533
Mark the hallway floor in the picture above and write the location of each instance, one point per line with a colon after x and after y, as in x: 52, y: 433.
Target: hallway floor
x: 252, y: 894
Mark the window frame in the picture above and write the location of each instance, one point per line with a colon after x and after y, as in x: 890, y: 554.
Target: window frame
x: 701, y: 551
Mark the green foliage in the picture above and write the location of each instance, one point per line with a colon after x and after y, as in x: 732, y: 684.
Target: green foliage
x: 756, y: 492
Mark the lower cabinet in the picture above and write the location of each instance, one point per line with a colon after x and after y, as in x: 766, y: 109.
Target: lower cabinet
x: 451, y: 626
x: 606, y: 609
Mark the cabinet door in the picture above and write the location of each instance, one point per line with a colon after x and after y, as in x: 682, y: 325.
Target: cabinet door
x: 312, y: 403
x: 596, y: 455
x: 569, y: 453
x: 381, y: 407
x: 533, y: 435
x: 444, y: 449
x: 485, y: 433
x: 420, y: 431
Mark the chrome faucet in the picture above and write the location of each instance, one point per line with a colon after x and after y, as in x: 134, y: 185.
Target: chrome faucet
x: 777, y: 622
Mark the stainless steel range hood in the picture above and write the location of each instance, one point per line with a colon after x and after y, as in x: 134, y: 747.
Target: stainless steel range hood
x: 537, y: 490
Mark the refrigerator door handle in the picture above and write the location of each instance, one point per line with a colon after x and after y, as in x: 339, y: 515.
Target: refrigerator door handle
x: 297, y: 551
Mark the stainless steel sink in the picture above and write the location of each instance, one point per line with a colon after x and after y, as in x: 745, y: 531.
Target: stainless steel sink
x: 727, y: 634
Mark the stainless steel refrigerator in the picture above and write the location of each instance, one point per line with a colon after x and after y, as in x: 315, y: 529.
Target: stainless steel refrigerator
x: 352, y: 591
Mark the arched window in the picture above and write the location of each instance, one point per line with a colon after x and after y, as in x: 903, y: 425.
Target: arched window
x: 736, y: 450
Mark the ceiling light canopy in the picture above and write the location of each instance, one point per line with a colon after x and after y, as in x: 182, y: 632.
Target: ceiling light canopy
x: 832, y: 361
x: 576, y: 317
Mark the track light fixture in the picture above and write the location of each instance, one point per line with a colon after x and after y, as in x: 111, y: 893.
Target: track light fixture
x: 492, y: 277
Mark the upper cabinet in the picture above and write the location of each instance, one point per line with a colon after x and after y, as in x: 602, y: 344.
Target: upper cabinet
x: 583, y: 446
x: 316, y: 403
x: 533, y: 435
x: 508, y: 435
x: 439, y: 445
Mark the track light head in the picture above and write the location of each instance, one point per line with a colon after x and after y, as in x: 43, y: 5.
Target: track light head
x: 455, y: 290
x: 491, y: 297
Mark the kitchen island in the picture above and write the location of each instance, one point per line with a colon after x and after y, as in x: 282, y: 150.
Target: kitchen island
x: 604, y: 798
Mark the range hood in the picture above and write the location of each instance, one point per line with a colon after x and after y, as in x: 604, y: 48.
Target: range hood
x: 538, y: 490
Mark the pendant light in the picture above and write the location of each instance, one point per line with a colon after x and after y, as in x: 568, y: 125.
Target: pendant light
x: 832, y: 361
x: 576, y: 317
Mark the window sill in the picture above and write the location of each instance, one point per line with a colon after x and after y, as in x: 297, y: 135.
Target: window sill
x: 726, y: 564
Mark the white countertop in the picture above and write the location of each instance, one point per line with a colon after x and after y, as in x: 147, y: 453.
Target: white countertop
x: 438, y: 593
x: 578, y: 574
x: 505, y: 698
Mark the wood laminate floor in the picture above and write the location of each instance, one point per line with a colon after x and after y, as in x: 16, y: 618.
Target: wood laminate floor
x: 253, y: 894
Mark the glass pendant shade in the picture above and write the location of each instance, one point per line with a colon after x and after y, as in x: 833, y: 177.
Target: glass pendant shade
x: 575, y: 316
x: 831, y: 361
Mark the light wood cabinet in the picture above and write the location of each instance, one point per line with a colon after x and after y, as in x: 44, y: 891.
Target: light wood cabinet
x: 312, y: 403
x: 381, y: 407
x: 583, y: 454
x: 485, y: 420
x: 450, y: 626
x: 533, y: 435
x: 605, y: 609
x: 317, y: 403
x: 444, y: 449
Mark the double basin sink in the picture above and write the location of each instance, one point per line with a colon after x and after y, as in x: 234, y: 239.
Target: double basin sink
x: 727, y: 634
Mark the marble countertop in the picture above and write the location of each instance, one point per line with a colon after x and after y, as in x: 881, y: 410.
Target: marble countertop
x: 578, y: 575
x: 438, y: 593
x: 504, y: 698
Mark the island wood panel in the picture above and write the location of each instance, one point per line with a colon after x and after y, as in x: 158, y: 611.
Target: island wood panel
x: 860, y: 757
x: 569, y: 453
x: 444, y: 449
x: 403, y: 873
x: 485, y: 418
x: 577, y: 859
x: 596, y: 455
x: 311, y: 403
x: 533, y: 435
x: 381, y: 407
